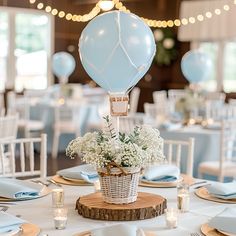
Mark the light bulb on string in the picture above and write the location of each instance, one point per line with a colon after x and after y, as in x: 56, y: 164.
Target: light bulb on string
x: 106, y: 5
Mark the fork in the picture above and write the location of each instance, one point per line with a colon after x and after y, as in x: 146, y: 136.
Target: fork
x: 4, y: 208
x: 196, y: 234
x: 41, y: 182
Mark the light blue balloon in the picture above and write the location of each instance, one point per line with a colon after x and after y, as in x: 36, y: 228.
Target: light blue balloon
x: 116, y: 50
x: 196, y: 66
x: 63, y: 64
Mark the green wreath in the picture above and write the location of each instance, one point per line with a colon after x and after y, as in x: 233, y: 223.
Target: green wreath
x: 166, y: 46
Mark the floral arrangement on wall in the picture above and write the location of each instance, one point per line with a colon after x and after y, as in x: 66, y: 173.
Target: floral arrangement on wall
x: 166, y: 46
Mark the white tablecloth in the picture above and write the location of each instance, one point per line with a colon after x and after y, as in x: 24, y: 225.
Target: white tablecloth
x: 39, y: 211
x: 207, y: 143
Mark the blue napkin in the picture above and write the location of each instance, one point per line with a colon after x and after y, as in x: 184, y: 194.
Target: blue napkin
x: 161, y: 173
x: 118, y: 230
x: 19, y: 189
x: 225, y: 220
x: 84, y: 172
x: 223, y: 190
x: 9, y: 222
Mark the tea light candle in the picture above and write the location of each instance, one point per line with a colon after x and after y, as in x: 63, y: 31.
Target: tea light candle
x: 171, y: 218
x: 58, y: 197
x: 97, y: 186
x: 60, y: 218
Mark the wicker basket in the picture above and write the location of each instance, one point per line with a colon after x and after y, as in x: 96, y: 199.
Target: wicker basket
x: 119, y: 185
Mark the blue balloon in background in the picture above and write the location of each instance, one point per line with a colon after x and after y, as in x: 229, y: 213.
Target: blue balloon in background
x: 116, y: 50
x: 63, y: 64
x: 196, y: 66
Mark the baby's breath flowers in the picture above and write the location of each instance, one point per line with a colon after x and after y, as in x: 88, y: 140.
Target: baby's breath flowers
x: 139, y: 148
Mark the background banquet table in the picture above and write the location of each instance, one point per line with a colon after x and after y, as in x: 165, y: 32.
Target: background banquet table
x: 39, y: 212
x: 206, y: 146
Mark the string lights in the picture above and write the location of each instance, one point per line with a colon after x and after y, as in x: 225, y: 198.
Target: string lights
x: 120, y: 6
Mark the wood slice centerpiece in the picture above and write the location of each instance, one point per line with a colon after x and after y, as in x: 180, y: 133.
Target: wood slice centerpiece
x: 147, y: 206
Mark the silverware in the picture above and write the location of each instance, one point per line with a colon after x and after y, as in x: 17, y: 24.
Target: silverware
x: 40, y: 182
x: 54, y: 182
x: 4, y: 208
x: 200, y: 182
x: 196, y: 234
x: 202, y: 186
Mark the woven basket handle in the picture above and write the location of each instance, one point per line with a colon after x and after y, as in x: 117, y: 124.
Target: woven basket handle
x: 114, y: 164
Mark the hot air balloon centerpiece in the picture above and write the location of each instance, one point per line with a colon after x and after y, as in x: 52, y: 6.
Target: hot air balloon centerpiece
x: 116, y: 50
x: 196, y: 67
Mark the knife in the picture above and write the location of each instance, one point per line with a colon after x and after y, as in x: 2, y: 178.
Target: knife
x: 54, y: 182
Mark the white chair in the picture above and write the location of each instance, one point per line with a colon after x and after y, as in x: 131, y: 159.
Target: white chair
x: 176, y: 94
x: 134, y: 99
x: 35, y: 93
x: 155, y: 114
x: 220, y: 112
x: 66, y: 121
x: 159, y: 96
x: 21, y: 106
x: 2, y: 105
x: 24, y: 165
x: 173, y: 150
x: 8, y: 127
x: 217, y: 96
x: 226, y: 165
x: 128, y: 123
x: 8, y: 131
x: 232, y: 101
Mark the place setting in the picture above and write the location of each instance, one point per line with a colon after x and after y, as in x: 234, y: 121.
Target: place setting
x: 163, y: 176
x: 218, y: 192
x: 20, y: 190
x: 81, y: 175
x: 223, y: 224
x: 13, y: 226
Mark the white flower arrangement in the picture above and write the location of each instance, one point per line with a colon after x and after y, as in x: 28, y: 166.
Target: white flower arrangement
x: 193, y: 99
x: 139, y: 148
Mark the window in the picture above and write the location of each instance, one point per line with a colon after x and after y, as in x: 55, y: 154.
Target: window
x: 223, y: 55
x: 3, y: 49
x: 25, y: 48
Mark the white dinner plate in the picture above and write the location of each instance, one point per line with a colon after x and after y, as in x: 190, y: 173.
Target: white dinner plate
x: 13, y: 232
x: 226, y: 233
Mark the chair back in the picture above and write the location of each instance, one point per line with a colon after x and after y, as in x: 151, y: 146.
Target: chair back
x: 215, y: 96
x: 159, y: 96
x: 128, y: 123
x: 220, y: 112
x: 228, y: 142
x: 155, y: 114
x: 8, y: 127
x: 24, y: 165
x: 176, y: 94
x: 174, y: 152
x: 134, y: 99
x: 67, y: 115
